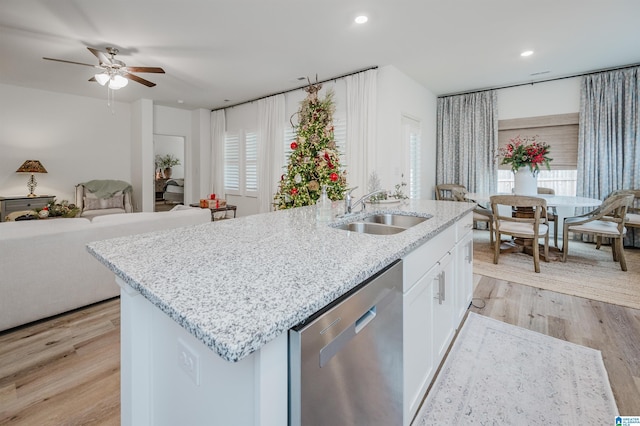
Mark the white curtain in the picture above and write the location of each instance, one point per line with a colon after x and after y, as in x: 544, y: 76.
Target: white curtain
x: 270, y: 149
x: 361, y: 127
x: 218, y: 128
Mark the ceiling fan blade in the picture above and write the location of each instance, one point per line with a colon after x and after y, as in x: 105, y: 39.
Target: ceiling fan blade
x: 138, y: 79
x: 145, y: 69
x: 71, y: 62
x: 104, y: 59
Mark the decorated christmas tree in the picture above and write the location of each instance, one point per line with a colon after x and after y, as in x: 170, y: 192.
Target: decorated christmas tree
x: 314, y: 161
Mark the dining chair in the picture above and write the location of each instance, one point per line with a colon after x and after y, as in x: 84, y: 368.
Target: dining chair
x: 633, y: 212
x: 608, y: 220
x: 444, y: 192
x: 552, y: 214
x: 480, y: 213
x: 526, y: 228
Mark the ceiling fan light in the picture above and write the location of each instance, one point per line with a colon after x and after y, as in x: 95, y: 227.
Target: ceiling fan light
x: 102, y: 78
x: 118, y: 82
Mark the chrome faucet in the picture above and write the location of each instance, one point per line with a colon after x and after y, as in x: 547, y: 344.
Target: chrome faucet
x: 349, y: 206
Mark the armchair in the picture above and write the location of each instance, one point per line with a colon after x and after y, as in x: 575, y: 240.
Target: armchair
x: 532, y: 228
x: 101, y: 197
x: 608, y: 220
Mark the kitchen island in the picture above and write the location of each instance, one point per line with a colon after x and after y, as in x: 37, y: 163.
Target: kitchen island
x: 206, y: 309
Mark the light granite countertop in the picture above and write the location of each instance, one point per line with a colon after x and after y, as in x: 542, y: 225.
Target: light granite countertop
x: 237, y: 284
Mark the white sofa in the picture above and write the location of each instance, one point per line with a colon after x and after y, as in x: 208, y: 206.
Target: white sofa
x: 46, y: 269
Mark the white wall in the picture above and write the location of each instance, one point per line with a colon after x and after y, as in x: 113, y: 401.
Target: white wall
x: 400, y: 95
x: 534, y: 100
x: 76, y: 139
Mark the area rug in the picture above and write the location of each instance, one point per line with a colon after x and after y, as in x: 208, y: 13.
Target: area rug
x: 588, y: 272
x: 500, y: 374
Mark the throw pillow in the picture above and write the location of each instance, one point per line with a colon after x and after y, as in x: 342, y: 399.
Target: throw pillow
x: 91, y: 203
x: 115, y: 202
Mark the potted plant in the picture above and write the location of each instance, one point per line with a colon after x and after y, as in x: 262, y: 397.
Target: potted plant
x: 165, y: 163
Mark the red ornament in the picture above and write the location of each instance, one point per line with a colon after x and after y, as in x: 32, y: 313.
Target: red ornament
x: 294, y: 145
x: 333, y: 177
x: 294, y: 191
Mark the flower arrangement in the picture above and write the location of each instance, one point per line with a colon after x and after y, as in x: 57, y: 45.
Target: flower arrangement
x: 166, y: 161
x: 527, y: 151
x: 63, y: 209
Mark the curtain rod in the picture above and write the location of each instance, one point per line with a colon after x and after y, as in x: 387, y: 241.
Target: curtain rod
x: 298, y: 88
x: 541, y: 81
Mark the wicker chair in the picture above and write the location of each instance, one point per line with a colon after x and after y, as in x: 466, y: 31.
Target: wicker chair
x: 531, y: 228
x: 608, y: 220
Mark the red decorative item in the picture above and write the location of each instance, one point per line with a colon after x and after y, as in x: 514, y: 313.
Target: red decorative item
x: 294, y: 191
x: 294, y: 145
x: 333, y: 177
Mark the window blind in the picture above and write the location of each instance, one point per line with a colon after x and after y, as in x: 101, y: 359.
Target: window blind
x: 231, y: 163
x: 251, y: 163
x: 559, y: 131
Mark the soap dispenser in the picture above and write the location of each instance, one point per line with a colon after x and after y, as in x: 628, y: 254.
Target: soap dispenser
x: 323, y: 207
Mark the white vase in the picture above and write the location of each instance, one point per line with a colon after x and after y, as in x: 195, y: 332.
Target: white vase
x: 525, y: 183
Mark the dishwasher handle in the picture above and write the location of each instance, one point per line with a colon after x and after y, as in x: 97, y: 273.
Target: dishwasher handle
x: 333, y: 347
x: 365, y: 319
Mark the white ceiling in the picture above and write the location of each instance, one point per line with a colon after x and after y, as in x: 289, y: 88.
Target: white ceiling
x: 239, y: 50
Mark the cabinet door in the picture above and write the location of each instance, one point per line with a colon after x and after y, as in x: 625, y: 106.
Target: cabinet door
x: 443, y: 299
x: 464, y: 277
x: 418, y: 353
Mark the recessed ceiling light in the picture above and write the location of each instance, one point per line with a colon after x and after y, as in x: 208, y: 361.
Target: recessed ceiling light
x: 527, y: 53
x: 180, y: 101
x: 361, y: 19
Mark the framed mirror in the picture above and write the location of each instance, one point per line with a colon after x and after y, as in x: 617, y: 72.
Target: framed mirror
x: 169, y: 174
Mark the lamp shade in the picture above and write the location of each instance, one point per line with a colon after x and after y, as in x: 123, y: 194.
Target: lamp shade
x: 31, y: 166
x: 102, y: 78
x: 117, y: 82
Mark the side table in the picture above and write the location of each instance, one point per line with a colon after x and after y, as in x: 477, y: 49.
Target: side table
x: 18, y: 203
x: 226, y: 208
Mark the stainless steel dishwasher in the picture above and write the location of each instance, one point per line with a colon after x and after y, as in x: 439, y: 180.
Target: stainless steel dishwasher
x: 345, y: 362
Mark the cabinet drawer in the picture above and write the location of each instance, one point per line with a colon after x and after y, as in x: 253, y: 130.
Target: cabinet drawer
x: 419, y: 261
x: 464, y: 225
x: 25, y: 204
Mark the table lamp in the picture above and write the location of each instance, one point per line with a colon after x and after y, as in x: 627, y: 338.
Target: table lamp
x: 31, y: 166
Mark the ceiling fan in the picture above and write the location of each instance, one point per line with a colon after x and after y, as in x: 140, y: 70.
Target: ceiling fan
x: 115, y: 72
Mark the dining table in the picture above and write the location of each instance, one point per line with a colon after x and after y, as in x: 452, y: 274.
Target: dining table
x: 565, y: 205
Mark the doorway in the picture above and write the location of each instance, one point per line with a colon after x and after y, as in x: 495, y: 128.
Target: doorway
x: 169, y: 157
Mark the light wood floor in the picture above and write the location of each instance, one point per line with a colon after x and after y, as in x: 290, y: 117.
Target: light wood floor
x: 66, y: 371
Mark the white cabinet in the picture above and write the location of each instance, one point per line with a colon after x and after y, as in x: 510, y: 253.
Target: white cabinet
x: 464, y: 266
x: 443, y: 297
x: 418, y: 350
x: 438, y: 277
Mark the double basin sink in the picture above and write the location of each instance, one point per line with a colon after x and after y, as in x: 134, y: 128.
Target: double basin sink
x: 382, y: 224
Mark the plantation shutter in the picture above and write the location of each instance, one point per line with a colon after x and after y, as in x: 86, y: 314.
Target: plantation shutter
x: 251, y: 163
x: 559, y: 131
x: 231, y: 163
x: 411, y: 136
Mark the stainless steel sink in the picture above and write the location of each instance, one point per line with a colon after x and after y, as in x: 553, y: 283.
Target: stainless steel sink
x: 400, y: 220
x: 382, y: 224
x: 370, y: 228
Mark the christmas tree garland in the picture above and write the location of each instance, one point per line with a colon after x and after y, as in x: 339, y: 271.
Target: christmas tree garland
x: 314, y: 161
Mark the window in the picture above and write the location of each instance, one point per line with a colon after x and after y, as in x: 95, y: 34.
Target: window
x: 241, y: 163
x: 411, y: 138
x: 231, y: 163
x: 251, y: 164
x: 561, y: 133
